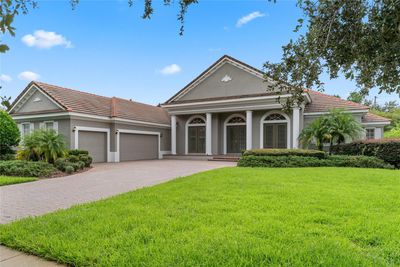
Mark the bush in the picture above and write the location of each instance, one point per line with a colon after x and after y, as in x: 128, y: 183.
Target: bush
x: 77, y: 152
x: 69, y: 169
x: 9, y: 133
x: 26, y: 168
x: 77, y: 162
x: 86, y: 159
x: 286, y: 152
x: 385, y: 149
x: 10, y: 156
x: 300, y: 161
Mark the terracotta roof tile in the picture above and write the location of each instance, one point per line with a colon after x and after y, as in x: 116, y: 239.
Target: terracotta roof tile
x: 87, y: 103
x: 370, y: 117
x: 322, y: 102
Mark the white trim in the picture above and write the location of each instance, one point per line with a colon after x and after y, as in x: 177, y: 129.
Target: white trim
x: 370, y: 128
x: 231, y: 124
x: 76, y: 130
x: 41, y: 91
x: 249, y: 129
x: 209, y: 133
x: 42, y: 125
x: 173, y: 135
x: 187, y: 125
x: 119, y: 131
x: 225, y: 101
x: 224, y: 61
x: 82, y: 115
x: 227, y: 109
x: 296, y: 127
x: 287, y: 121
x: 380, y: 123
x: 327, y: 112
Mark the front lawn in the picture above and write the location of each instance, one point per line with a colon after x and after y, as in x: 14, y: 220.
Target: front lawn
x: 6, y: 180
x: 230, y: 217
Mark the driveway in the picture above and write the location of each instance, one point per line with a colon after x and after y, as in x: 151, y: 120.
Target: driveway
x: 104, y: 180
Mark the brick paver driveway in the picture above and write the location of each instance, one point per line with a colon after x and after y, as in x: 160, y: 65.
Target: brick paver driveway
x: 104, y: 180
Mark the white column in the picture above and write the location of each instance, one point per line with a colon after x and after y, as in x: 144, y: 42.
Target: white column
x: 173, y: 135
x: 249, y: 129
x: 208, y: 134
x: 296, y: 127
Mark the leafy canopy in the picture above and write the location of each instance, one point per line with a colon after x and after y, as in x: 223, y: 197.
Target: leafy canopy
x: 9, y: 133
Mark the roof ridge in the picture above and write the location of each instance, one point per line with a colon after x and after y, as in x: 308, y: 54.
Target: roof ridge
x: 136, y: 102
x: 65, y: 88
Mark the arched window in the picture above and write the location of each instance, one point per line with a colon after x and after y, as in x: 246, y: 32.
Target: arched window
x: 197, y: 120
x: 236, y: 120
x: 275, y: 117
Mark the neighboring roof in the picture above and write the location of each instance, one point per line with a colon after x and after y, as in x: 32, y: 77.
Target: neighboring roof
x: 370, y: 117
x: 91, y: 104
x: 322, y: 103
x: 216, y: 63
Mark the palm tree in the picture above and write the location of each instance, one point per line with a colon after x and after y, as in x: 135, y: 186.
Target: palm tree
x: 334, y: 128
x: 342, y: 127
x: 316, y: 132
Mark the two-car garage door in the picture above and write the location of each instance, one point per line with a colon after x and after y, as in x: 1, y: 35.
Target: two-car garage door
x: 138, y: 146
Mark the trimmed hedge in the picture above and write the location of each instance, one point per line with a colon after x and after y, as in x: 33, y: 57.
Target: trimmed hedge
x: 77, y: 152
x: 75, y: 161
x: 385, y: 149
x: 26, y: 168
x: 286, y: 152
x: 299, y: 161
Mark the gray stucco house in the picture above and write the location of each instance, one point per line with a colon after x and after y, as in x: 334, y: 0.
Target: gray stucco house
x: 224, y: 110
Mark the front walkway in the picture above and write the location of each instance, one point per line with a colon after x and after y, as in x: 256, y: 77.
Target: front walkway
x: 104, y: 180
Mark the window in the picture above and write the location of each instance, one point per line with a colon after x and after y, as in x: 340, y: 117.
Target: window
x: 25, y: 129
x: 235, y: 120
x: 49, y: 125
x: 275, y: 117
x: 370, y: 133
x: 197, y: 121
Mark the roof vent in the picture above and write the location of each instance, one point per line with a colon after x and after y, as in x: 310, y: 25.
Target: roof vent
x: 226, y: 78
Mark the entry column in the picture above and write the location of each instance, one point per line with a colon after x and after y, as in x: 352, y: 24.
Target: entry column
x: 208, y: 134
x: 173, y: 135
x: 249, y: 129
x: 296, y: 127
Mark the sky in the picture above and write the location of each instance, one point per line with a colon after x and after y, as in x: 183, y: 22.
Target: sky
x: 106, y: 48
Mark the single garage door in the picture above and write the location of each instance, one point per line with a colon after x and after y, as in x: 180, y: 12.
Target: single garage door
x: 138, y: 146
x: 95, y: 143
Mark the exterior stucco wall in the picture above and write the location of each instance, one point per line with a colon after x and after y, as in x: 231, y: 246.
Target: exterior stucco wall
x: 242, y: 83
x: 34, y: 106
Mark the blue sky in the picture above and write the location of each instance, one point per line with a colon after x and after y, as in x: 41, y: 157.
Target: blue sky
x: 104, y: 47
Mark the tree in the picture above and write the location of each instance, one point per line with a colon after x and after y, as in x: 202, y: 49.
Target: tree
x: 45, y: 145
x: 9, y: 133
x: 360, y: 39
x: 5, y: 102
x: 356, y: 97
x: 334, y: 128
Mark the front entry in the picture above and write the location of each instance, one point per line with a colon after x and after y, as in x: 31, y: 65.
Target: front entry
x: 197, y: 139
x: 275, y: 135
x: 235, y: 138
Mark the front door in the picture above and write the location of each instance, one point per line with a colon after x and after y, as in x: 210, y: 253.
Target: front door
x: 275, y: 135
x: 235, y: 138
x: 197, y: 139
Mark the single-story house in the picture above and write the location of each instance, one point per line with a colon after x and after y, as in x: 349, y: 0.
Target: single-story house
x: 225, y: 110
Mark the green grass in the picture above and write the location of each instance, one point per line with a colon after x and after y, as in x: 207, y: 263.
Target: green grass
x: 6, y: 180
x: 230, y: 217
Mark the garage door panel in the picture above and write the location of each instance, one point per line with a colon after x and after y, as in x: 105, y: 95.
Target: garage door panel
x: 95, y: 143
x: 138, y: 146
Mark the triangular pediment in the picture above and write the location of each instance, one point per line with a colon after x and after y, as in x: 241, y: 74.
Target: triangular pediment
x: 225, y: 78
x: 33, y: 100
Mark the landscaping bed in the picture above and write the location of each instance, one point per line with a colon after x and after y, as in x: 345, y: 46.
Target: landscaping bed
x: 7, y: 180
x: 229, y: 217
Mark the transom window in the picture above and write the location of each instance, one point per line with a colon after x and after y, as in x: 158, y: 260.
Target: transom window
x: 275, y: 117
x: 197, y: 121
x: 370, y: 133
x: 237, y: 120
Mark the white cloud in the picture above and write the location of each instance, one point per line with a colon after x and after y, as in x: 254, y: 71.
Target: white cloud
x: 246, y: 19
x: 28, y: 76
x: 43, y: 39
x: 5, y: 78
x: 171, y: 69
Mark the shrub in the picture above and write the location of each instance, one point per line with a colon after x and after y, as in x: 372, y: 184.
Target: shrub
x: 9, y: 133
x: 86, y: 159
x: 45, y: 145
x: 73, y: 158
x: 26, y: 168
x: 299, y: 161
x: 77, y: 152
x: 385, y: 149
x: 10, y: 156
x: 69, y: 169
x: 286, y: 152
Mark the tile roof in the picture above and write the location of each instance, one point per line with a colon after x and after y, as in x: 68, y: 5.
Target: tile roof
x: 322, y: 102
x: 370, y: 117
x: 87, y: 103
